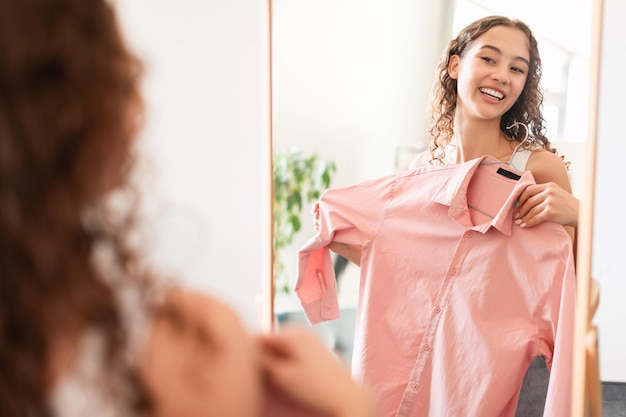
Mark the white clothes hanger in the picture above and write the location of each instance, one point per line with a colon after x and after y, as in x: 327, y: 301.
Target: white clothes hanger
x: 502, y: 171
x: 527, y: 137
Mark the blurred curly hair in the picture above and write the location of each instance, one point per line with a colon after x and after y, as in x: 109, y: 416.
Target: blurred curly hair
x: 69, y: 108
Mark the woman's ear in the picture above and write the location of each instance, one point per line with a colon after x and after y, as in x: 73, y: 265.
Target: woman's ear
x: 453, y: 66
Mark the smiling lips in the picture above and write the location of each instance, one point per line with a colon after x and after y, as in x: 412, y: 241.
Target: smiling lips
x: 492, y: 93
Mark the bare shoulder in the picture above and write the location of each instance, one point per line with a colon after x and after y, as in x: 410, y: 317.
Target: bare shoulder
x: 196, y: 346
x: 548, y: 167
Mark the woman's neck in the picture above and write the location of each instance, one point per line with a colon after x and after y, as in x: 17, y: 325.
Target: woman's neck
x: 477, y: 139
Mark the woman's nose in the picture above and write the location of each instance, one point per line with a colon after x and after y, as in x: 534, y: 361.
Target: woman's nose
x: 500, y: 74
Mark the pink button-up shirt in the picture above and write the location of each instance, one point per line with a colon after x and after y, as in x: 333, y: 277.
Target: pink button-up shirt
x: 455, y: 300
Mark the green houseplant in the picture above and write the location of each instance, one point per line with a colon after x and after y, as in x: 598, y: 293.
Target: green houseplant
x: 299, y: 179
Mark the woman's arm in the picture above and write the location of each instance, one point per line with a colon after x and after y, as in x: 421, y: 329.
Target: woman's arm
x: 350, y: 252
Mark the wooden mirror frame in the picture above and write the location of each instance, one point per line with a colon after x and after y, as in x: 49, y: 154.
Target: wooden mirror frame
x: 586, y: 388
x: 266, y: 301
x: 586, y: 385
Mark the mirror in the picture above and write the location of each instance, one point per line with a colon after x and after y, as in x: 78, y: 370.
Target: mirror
x: 351, y: 81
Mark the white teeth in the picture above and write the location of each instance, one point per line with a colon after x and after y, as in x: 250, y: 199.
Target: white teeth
x: 492, y: 93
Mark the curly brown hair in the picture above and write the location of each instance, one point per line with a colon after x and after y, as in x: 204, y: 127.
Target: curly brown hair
x: 526, y: 110
x: 69, y: 107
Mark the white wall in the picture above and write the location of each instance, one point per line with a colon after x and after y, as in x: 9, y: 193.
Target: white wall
x: 609, y: 255
x: 205, y: 136
x: 351, y: 78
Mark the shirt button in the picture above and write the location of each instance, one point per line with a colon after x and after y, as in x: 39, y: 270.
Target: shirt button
x: 437, y: 309
x: 426, y: 348
x: 413, y: 385
x: 326, y: 308
x: 469, y: 235
x: 452, y: 271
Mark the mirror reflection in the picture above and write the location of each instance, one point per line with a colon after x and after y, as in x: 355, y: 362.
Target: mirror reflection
x: 352, y: 87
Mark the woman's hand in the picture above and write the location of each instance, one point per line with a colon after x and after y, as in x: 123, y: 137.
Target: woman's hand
x: 300, y: 366
x: 546, y: 202
x: 315, y: 211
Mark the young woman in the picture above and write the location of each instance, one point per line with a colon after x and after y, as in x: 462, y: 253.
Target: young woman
x: 433, y: 335
x: 487, y: 101
x: 85, y: 328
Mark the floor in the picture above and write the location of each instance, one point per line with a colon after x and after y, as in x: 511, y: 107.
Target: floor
x: 614, y: 399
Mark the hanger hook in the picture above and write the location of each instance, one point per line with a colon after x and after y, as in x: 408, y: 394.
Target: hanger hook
x: 526, y: 135
x: 526, y: 129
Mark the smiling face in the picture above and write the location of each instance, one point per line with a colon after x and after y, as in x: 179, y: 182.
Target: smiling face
x: 492, y: 73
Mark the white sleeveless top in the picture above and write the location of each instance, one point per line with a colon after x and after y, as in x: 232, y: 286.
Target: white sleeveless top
x: 518, y: 161
x: 81, y: 391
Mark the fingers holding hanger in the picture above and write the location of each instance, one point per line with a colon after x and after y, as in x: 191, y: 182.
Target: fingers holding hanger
x: 546, y: 202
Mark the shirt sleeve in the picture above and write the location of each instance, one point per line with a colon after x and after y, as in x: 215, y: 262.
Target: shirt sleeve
x: 559, y: 396
x: 351, y: 215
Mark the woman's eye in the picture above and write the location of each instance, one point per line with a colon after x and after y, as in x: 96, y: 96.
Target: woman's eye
x: 518, y: 70
x: 487, y: 59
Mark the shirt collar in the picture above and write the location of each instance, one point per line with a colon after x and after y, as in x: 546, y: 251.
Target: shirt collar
x: 454, y: 195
